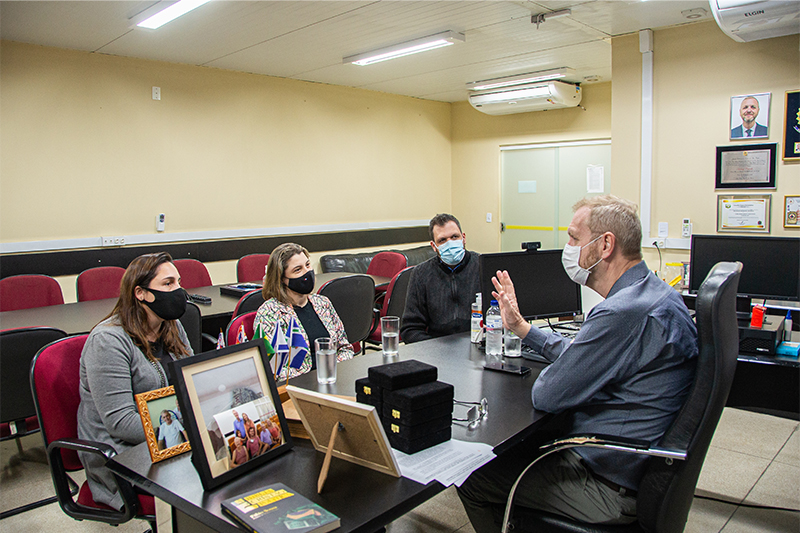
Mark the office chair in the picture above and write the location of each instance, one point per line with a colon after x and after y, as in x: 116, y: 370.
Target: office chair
x: 17, y: 412
x: 352, y: 297
x: 99, y: 283
x: 192, y: 323
x: 251, y: 268
x: 55, y: 382
x: 29, y: 290
x: 232, y: 330
x: 386, y: 264
x: 249, y: 302
x: 193, y: 273
x: 393, y: 304
x: 667, y: 487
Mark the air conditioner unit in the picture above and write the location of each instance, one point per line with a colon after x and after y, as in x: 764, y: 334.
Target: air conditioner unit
x: 752, y: 20
x: 524, y: 98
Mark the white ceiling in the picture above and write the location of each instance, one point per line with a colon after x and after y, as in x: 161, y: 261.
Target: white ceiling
x: 306, y: 40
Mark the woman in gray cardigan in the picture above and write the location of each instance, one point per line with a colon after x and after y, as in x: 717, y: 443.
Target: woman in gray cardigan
x: 125, y: 355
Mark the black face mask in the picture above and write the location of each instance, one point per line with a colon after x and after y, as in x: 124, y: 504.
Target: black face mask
x: 303, y: 284
x: 168, y: 305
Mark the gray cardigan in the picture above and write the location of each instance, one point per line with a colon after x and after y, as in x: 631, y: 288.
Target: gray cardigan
x: 113, y: 370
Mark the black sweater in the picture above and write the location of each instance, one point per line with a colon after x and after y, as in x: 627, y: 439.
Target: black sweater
x: 440, y: 298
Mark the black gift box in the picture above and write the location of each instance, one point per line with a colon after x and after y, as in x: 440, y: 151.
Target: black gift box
x: 413, y: 446
x: 419, y: 397
x: 418, y: 431
x: 366, y: 388
x: 403, y: 374
x: 397, y: 415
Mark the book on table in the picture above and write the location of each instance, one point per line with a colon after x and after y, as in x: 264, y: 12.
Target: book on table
x: 277, y: 508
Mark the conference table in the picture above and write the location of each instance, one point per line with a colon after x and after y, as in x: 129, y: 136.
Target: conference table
x: 364, y: 499
x: 80, y: 317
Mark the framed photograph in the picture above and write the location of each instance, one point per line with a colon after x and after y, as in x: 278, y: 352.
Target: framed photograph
x: 232, y: 411
x: 743, y: 213
x: 791, y: 127
x: 791, y: 211
x: 746, y: 167
x: 750, y: 116
x: 163, y: 423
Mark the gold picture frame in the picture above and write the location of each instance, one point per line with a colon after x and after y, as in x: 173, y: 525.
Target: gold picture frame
x: 159, y: 402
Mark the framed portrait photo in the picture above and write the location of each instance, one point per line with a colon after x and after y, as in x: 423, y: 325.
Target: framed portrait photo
x: 791, y: 211
x: 232, y: 411
x: 163, y: 423
x: 791, y: 127
x: 749, y: 116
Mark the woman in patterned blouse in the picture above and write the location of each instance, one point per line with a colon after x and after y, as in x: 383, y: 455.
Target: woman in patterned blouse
x: 288, y: 287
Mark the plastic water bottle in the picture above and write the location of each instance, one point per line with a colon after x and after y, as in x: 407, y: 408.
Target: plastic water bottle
x: 494, y: 330
x: 477, y: 319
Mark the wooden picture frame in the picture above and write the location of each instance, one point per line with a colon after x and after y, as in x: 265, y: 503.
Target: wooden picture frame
x: 224, y: 392
x: 791, y: 126
x: 344, y: 429
x: 744, y: 213
x: 152, y: 406
x: 751, y: 166
x: 791, y: 211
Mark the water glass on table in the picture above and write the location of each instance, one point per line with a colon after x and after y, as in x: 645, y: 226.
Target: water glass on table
x: 513, y: 343
x: 325, y: 353
x: 390, y: 335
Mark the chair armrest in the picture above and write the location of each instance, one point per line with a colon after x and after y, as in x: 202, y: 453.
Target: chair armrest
x: 61, y: 480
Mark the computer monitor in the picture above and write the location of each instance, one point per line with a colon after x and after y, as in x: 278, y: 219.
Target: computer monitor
x: 771, y: 265
x: 542, y: 286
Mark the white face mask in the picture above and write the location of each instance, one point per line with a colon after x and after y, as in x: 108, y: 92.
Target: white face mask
x: 571, y: 257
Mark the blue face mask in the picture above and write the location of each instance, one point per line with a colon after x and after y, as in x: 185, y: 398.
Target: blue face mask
x: 452, y: 252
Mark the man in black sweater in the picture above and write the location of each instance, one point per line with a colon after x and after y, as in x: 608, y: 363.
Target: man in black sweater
x: 442, y: 289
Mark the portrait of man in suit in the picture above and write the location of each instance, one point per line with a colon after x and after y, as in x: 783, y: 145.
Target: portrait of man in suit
x: 749, y: 108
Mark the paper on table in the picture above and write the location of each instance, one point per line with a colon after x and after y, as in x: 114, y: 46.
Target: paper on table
x: 449, y: 463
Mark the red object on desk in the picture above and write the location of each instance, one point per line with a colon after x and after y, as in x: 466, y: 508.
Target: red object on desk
x: 757, y: 317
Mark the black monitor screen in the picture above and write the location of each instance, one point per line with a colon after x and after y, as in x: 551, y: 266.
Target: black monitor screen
x: 542, y: 286
x: 771, y: 265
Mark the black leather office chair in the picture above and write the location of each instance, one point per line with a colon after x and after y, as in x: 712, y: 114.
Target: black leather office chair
x: 667, y: 487
x: 393, y: 305
x: 192, y: 323
x: 352, y: 297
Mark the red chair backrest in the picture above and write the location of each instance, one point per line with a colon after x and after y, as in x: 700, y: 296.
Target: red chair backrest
x: 99, y: 283
x: 233, y: 328
x: 251, y: 267
x: 55, y: 383
x: 28, y: 291
x: 386, y: 264
x: 193, y: 273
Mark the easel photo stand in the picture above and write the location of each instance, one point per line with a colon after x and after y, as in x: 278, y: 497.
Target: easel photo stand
x: 345, y: 429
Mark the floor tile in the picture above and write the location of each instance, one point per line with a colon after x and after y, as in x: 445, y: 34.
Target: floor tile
x: 779, y: 486
x: 708, y: 516
x: 729, y: 475
x: 749, y: 520
x: 790, y: 453
x: 752, y: 433
x: 443, y: 513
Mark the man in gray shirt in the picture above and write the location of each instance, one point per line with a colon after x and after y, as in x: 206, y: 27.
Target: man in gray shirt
x: 626, y: 373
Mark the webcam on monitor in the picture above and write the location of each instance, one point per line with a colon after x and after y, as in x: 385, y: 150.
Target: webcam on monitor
x: 531, y: 246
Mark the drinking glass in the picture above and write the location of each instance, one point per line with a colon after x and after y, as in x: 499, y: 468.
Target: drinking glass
x: 513, y: 344
x: 325, y: 353
x: 390, y: 335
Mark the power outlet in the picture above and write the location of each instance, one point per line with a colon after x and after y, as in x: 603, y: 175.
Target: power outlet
x: 113, y: 241
x: 661, y: 242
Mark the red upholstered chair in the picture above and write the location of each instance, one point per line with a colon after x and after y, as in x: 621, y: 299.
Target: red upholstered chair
x: 29, y: 290
x: 251, y: 267
x: 386, y: 264
x: 247, y: 320
x: 193, y: 273
x: 393, y: 305
x: 249, y: 302
x: 99, y: 283
x: 55, y: 383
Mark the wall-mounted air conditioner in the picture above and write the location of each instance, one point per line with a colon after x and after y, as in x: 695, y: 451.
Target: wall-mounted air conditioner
x: 752, y: 20
x: 524, y: 98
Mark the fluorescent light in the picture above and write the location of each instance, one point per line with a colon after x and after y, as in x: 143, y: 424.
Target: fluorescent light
x: 512, y: 95
x: 520, y: 79
x: 171, y: 13
x: 424, y: 44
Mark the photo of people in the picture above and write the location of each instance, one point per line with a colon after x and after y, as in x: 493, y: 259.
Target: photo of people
x: 166, y: 421
x: 249, y: 436
x: 750, y: 116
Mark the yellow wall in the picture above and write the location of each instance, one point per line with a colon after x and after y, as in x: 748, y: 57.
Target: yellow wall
x: 477, y: 139
x: 697, y: 69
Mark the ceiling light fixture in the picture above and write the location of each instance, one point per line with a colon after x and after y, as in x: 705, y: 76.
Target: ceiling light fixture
x: 521, y: 79
x: 403, y: 49
x: 171, y: 13
x: 541, y: 17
